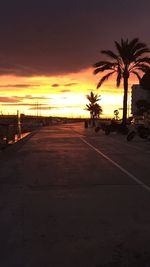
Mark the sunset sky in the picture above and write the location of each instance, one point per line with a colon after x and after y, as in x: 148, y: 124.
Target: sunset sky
x: 47, y: 50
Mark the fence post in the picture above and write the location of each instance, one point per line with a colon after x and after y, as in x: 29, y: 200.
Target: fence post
x: 18, y: 124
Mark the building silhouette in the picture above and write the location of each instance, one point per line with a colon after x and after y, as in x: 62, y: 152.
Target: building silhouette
x: 138, y: 93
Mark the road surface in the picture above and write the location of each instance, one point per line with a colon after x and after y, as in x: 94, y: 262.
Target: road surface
x: 70, y: 197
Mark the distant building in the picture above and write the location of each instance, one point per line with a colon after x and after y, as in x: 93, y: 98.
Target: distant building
x: 138, y: 93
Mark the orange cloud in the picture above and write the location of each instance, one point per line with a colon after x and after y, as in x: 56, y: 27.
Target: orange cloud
x: 46, y: 91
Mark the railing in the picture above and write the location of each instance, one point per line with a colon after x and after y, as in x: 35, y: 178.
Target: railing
x: 11, y: 133
x: 8, y: 133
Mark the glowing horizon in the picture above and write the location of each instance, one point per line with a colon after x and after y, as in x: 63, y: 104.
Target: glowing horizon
x: 61, y: 95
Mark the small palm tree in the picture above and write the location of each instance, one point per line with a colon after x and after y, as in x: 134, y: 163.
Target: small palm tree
x: 94, y: 108
x: 128, y: 60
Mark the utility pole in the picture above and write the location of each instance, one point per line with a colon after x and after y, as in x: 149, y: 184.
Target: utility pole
x: 18, y: 124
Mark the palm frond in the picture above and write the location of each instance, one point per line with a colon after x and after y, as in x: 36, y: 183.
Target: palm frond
x: 108, y: 66
x: 118, y: 46
x: 104, y: 78
x: 143, y: 60
x: 134, y: 42
x: 100, y: 64
x: 110, y: 53
x: 97, y: 70
x: 137, y: 75
x: 124, y: 52
x: 138, y: 62
x: 138, y: 46
x: 93, y: 98
x: 141, y: 52
x: 88, y: 107
x: 90, y: 97
x: 143, y: 65
x: 124, y: 42
x: 143, y: 68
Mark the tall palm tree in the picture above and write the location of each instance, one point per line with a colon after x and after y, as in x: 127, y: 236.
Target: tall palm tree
x: 129, y: 59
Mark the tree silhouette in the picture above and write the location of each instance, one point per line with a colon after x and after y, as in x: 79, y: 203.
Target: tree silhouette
x: 93, y: 98
x: 94, y: 108
x: 129, y: 59
x: 116, y: 113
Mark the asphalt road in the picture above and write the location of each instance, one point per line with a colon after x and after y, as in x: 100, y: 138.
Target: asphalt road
x: 70, y: 197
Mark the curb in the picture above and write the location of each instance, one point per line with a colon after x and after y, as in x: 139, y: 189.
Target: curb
x: 16, y: 146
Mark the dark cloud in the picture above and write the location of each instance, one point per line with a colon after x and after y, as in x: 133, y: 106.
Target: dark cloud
x: 24, y: 104
x: 67, y: 85
x: 18, y: 85
x: 66, y: 106
x: 44, y: 107
x: 5, y: 99
x: 18, y: 104
x: 64, y: 91
x: 70, y: 84
x: 73, y: 106
x: 13, y: 100
x: 46, y: 37
x: 63, y: 106
x: 55, y: 85
x: 32, y: 97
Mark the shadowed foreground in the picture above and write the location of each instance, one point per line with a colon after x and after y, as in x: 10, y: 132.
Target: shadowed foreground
x: 63, y: 204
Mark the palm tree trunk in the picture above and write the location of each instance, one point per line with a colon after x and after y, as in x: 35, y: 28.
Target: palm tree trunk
x: 93, y: 120
x: 125, y: 99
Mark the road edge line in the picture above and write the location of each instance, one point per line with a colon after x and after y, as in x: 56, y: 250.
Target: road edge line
x: 146, y: 187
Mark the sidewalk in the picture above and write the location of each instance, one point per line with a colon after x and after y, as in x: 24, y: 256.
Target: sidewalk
x: 63, y: 205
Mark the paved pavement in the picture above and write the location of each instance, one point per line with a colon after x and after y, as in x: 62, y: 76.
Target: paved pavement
x: 70, y: 197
